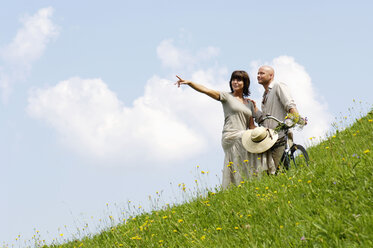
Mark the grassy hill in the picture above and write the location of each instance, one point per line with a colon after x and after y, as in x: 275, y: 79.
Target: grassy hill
x: 328, y: 204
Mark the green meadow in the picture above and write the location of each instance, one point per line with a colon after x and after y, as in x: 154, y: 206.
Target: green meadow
x: 328, y: 204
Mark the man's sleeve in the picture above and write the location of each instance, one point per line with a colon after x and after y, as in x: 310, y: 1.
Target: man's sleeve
x: 283, y: 93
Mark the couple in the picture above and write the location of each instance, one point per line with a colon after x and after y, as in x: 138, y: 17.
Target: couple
x: 239, y: 115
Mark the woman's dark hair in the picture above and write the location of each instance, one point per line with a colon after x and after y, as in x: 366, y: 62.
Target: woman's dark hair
x: 241, y: 75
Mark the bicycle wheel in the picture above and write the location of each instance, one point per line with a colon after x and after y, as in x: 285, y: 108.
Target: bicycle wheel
x: 299, y: 156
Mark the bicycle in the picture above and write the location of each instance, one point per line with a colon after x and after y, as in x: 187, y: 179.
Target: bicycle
x: 296, y: 154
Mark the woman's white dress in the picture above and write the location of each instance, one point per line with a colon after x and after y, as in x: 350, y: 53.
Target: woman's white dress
x: 239, y: 164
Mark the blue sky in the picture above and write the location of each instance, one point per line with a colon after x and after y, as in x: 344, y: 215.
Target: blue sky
x: 90, y: 115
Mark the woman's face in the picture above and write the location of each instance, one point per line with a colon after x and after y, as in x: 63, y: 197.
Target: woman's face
x: 237, y: 84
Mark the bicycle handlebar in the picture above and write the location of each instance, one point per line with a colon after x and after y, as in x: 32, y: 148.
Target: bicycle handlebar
x: 282, y: 124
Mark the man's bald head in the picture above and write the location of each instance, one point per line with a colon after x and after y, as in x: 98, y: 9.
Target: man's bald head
x: 265, y: 75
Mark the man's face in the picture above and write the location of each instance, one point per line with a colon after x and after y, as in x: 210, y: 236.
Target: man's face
x: 264, y: 76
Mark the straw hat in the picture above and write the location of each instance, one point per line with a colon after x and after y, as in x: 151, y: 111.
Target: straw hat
x: 259, y: 139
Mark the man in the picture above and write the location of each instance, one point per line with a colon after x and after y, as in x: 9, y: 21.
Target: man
x: 278, y: 102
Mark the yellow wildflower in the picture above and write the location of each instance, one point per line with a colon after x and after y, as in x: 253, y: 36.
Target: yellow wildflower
x: 309, y: 181
x: 203, y: 237
x: 366, y: 151
x: 179, y: 220
x: 236, y: 227
x: 219, y: 228
x: 136, y: 238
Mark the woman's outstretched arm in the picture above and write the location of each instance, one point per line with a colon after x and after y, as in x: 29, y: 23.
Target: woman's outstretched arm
x: 198, y: 87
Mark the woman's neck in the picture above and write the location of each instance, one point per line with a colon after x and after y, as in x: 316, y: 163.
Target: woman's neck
x: 238, y: 94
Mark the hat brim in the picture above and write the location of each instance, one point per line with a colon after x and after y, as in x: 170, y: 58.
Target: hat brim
x: 258, y: 147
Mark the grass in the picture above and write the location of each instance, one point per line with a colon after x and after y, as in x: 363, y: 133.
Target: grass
x: 328, y: 204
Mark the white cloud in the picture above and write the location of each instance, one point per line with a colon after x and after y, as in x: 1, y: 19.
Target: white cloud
x: 27, y: 46
x: 92, y: 120
x: 309, y: 103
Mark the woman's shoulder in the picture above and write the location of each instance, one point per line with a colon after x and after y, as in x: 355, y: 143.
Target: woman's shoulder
x: 224, y: 95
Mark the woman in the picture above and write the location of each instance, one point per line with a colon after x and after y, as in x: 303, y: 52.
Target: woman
x: 238, y: 110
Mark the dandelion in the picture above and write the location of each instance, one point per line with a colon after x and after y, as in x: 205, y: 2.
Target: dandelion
x: 366, y: 151
x: 333, y: 136
x: 309, y: 181
x: 203, y: 237
x: 242, y: 182
x: 234, y: 171
x: 258, y: 158
x: 219, y: 228
x: 257, y: 188
x: 165, y: 217
x: 160, y: 241
x: 266, y: 188
x: 236, y: 227
x: 370, y: 120
x: 249, y: 215
x: 327, y: 147
x: 281, y: 226
x: 297, y: 223
x: 61, y: 234
x: 288, y: 202
x: 197, y: 166
x: 300, y: 180
x: 175, y: 231
x: 179, y: 220
x: 203, y: 172
x: 246, y: 161
x: 136, y: 238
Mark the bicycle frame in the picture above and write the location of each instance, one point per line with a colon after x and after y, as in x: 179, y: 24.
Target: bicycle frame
x: 287, y: 154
